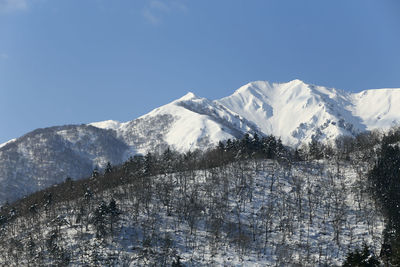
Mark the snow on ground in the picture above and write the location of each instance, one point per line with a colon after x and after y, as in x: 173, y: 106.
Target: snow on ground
x: 109, y: 124
x: 255, y: 213
x: 8, y: 142
x: 378, y: 108
x: 294, y: 111
x: 193, y: 123
x: 190, y: 129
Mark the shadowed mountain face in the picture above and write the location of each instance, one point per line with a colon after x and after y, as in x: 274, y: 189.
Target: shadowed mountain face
x: 295, y: 111
x: 47, y: 156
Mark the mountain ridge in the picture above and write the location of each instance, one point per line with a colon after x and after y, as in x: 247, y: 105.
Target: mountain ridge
x: 295, y: 111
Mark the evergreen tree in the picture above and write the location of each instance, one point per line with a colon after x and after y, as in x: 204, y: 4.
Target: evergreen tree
x: 269, y: 147
x: 99, y: 219
x: 384, y: 180
x: 113, y: 212
x: 315, y: 149
x: 221, y: 146
x: 364, y: 258
x: 95, y: 172
x: 148, y: 164
x: 108, y: 168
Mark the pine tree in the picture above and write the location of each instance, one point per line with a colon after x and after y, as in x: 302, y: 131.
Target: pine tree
x: 364, y: 258
x: 113, y: 212
x: 148, y: 164
x: 95, y: 173
x: 385, y: 187
x: 99, y: 219
x: 108, y: 168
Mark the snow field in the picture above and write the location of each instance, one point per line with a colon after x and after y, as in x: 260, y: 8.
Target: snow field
x: 252, y: 213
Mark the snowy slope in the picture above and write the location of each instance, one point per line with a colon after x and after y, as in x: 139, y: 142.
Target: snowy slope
x: 48, y: 156
x: 310, y: 215
x: 294, y: 111
x: 378, y: 108
x: 8, y: 142
x: 188, y: 123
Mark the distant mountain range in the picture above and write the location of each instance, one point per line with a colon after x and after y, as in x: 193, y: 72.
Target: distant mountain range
x: 295, y: 111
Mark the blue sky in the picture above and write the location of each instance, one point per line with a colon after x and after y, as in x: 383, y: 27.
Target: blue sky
x: 79, y: 61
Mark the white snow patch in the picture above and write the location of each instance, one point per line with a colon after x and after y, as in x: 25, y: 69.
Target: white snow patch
x: 378, y: 108
x: 8, y: 142
x: 109, y: 124
x: 294, y: 111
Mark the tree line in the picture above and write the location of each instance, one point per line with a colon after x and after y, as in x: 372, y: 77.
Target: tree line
x: 229, y: 169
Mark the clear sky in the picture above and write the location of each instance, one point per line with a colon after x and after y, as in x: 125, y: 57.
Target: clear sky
x: 80, y: 61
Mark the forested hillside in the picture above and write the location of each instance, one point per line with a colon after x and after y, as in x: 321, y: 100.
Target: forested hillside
x: 297, y: 112
x: 246, y: 202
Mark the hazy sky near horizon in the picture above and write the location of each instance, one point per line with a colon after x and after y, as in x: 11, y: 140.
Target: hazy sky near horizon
x: 80, y: 61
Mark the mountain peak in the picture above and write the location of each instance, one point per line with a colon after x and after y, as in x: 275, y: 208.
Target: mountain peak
x: 108, y: 124
x: 265, y: 86
x: 188, y: 96
x: 253, y: 86
x: 296, y: 81
x: 295, y: 111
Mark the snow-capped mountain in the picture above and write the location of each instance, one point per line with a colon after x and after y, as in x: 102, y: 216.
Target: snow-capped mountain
x: 47, y: 156
x: 188, y: 123
x: 295, y: 111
